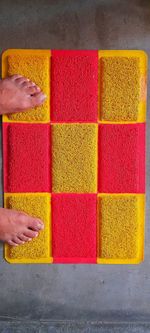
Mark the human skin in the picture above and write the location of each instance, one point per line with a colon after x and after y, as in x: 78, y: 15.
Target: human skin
x: 18, y: 94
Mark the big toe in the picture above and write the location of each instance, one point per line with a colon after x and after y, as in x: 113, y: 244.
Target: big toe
x: 36, y: 224
x: 37, y: 99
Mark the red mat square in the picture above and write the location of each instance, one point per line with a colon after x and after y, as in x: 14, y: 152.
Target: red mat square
x: 74, y: 86
x: 74, y: 228
x: 121, y: 158
x: 26, y: 157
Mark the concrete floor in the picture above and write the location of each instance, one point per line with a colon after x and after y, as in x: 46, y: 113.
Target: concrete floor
x: 118, y: 296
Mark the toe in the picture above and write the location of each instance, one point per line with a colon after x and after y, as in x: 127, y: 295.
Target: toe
x: 33, y: 90
x: 14, y: 77
x: 28, y: 84
x: 17, y: 240
x: 31, y: 84
x: 24, y: 238
x: 36, y: 224
x: 30, y: 233
x: 22, y: 80
x: 30, y: 88
x: 37, y: 99
x: 12, y: 243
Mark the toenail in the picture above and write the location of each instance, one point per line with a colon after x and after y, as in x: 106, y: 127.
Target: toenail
x: 30, y: 239
x: 41, y: 226
x: 44, y: 96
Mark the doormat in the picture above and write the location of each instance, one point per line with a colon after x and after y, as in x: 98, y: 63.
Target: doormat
x: 78, y: 161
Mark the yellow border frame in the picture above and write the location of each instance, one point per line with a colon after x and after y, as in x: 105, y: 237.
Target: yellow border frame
x: 142, y: 116
x: 8, y: 52
x: 48, y: 260
x: 143, y: 71
x: 141, y: 218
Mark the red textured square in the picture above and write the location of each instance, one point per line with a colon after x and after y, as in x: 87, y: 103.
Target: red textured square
x: 74, y: 228
x: 121, y: 158
x: 26, y: 153
x: 74, y: 86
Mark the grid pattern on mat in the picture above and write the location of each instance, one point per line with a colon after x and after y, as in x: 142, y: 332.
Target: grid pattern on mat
x: 78, y: 161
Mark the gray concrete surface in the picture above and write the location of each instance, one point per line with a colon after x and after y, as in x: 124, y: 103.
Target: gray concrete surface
x: 118, y: 296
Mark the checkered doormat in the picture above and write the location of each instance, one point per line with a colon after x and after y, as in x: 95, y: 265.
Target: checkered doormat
x: 78, y: 161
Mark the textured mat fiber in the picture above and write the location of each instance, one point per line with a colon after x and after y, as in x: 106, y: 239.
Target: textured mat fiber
x: 78, y: 161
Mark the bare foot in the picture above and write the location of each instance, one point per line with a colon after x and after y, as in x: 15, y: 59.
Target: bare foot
x: 17, y: 227
x: 18, y: 93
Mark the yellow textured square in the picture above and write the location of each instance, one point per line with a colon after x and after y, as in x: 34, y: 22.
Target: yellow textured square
x: 35, y: 65
x: 120, y: 228
x: 39, y: 249
x: 122, y: 86
x: 74, y: 158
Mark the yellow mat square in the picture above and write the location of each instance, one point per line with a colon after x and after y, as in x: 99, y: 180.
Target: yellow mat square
x: 39, y: 249
x: 122, y: 86
x: 74, y: 158
x: 120, y: 228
